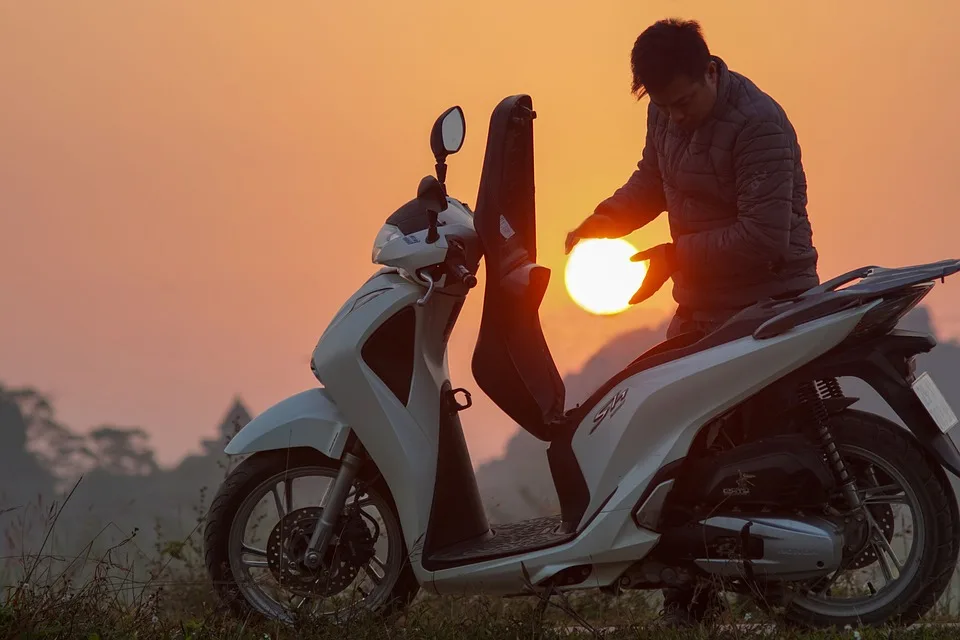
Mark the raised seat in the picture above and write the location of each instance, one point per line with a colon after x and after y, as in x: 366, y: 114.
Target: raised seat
x: 511, y: 361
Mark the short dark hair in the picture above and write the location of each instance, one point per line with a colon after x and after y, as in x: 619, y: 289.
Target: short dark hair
x: 667, y: 49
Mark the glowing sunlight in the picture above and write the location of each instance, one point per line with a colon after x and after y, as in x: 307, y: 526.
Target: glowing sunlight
x: 600, y: 277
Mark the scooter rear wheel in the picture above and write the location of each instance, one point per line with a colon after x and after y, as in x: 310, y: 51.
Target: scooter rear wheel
x: 890, y: 468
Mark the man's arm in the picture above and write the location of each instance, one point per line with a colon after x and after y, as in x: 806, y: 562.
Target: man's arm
x: 763, y: 161
x: 641, y: 199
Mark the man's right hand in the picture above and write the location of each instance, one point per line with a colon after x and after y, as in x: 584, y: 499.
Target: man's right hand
x: 596, y: 225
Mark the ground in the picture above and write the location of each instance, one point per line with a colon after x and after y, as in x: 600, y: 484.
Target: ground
x: 181, y: 605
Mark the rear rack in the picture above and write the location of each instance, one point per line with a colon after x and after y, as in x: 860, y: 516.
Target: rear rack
x: 874, y: 282
x: 882, y: 280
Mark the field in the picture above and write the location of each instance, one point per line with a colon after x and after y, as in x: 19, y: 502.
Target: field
x: 117, y: 593
x: 149, y: 586
x: 187, y: 610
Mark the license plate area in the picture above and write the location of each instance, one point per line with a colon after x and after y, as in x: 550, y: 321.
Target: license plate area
x: 936, y: 405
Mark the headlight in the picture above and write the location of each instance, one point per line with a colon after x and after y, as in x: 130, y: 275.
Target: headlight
x: 387, y: 233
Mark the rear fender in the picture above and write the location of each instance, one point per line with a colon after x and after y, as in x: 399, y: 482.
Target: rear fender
x: 883, y: 364
x: 307, y: 419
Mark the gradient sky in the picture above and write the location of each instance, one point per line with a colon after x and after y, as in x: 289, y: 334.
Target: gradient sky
x: 189, y: 190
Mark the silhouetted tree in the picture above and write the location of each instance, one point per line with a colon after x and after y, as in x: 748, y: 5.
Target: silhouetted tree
x: 22, y: 474
x: 62, y: 453
x: 237, y: 417
x: 25, y: 485
x: 123, y: 451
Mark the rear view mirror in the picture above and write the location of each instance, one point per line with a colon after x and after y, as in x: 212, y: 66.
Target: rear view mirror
x: 448, y: 133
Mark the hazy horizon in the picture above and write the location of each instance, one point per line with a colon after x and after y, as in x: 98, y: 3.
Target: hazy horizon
x: 189, y: 191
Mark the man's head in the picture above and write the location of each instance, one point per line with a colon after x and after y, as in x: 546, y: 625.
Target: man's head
x: 672, y: 64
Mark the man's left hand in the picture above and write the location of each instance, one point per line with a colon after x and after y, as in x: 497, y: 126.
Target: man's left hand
x: 661, y: 267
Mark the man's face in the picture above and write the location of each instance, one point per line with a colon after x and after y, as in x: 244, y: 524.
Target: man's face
x: 688, y: 101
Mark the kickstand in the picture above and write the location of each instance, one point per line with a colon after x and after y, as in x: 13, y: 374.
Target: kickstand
x: 541, y: 609
x: 544, y: 594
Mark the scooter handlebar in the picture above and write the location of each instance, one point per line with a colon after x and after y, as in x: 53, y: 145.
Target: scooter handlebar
x: 463, y: 274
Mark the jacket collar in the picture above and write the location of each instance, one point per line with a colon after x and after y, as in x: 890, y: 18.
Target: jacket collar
x: 724, y: 82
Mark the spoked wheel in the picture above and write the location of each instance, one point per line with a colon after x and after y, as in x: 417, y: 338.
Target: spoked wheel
x: 259, y: 527
x: 899, y: 551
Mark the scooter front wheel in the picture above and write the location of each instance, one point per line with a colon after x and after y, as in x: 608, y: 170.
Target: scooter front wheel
x: 259, y: 526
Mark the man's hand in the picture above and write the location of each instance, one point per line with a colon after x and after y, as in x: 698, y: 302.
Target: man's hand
x: 597, y: 225
x: 661, y: 267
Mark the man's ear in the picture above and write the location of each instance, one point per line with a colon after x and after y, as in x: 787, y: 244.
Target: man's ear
x: 712, y: 75
x: 712, y: 71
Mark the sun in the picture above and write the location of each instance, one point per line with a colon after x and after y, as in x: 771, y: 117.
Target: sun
x: 600, y: 277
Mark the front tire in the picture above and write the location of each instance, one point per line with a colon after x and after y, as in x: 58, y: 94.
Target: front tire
x: 224, y: 544
x: 859, y: 434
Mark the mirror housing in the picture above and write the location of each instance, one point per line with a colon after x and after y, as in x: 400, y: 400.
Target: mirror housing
x: 448, y: 133
x: 446, y: 138
x: 432, y: 197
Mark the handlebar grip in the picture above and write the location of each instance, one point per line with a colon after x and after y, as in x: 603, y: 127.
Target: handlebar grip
x: 464, y: 275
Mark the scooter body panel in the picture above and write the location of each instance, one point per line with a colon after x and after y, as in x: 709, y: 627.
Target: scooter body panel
x: 663, y: 408
x: 399, y: 432
x: 307, y: 419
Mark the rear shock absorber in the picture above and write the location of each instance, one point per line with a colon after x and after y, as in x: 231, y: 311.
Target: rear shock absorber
x: 830, y: 388
x: 812, y: 394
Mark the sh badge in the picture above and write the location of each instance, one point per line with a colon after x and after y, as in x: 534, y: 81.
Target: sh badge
x: 611, y: 407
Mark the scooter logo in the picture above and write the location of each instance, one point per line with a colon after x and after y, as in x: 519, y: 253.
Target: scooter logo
x: 611, y: 407
x: 743, y: 486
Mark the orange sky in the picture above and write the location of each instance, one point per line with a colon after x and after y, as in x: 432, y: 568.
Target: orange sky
x: 188, y: 190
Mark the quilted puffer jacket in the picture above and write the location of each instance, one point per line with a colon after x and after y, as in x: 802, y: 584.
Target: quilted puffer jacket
x: 736, y: 195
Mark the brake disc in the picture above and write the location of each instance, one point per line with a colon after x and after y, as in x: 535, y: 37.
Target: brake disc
x: 883, y: 515
x: 351, y: 547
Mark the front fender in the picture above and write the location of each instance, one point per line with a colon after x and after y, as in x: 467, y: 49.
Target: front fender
x: 307, y: 419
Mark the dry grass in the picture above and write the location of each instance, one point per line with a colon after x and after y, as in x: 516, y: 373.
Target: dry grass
x: 121, y: 591
x: 94, y: 612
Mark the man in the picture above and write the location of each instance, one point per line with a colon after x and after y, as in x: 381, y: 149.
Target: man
x: 723, y: 160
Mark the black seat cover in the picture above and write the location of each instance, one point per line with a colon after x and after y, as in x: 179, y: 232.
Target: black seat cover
x: 511, y: 361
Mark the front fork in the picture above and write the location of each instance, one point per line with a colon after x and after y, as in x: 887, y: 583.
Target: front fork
x: 336, y: 501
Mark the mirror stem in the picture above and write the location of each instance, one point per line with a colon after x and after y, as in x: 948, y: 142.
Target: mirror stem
x: 442, y: 175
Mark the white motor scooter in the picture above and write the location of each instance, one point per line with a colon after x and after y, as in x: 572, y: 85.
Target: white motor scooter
x: 733, y: 458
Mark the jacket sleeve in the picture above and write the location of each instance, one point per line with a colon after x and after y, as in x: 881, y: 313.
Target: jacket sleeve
x: 641, y: 199
x: 763, y: 163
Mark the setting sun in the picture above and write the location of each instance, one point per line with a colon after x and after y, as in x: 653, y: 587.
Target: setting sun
x: 600, y: 277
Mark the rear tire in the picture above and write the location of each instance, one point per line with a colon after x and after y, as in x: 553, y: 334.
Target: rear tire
x: 252, y: 473
x: 938, y: 517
